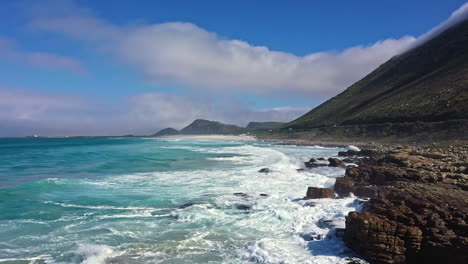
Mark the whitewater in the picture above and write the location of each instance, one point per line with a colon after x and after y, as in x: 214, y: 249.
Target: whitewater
x: 149, y: 200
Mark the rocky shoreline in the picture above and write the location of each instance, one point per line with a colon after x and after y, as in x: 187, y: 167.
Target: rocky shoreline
x: 418, y: 203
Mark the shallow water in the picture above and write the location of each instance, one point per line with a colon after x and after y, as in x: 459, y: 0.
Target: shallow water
x: 140, y: 200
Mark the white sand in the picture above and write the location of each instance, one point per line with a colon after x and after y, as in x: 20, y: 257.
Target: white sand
x: 213, y: 137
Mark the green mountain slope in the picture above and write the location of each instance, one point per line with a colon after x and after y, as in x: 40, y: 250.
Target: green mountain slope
x: 426, y: 84
x: 264, y: 125
x: 167, y: 132
x: 206, y: 127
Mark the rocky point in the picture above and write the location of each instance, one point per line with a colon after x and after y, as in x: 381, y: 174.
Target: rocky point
x: 418, y: 207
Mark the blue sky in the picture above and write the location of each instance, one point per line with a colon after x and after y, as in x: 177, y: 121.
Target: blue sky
x: 226, y: 60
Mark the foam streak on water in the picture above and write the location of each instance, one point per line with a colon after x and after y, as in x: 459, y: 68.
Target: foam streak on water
x: 166, y: 201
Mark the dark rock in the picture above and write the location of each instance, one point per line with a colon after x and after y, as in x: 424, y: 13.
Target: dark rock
x: 311, y: 236
x: 320, y: 158
x: 244, y: 195
x: 243, y: 207
x: 325, y: 223
x: 361, y: 153
x: 264, y: 194
x: 264, y: 170
x: 339, y: 232
x: 350, y: 160
x: 334, y: 162
x: 186, y: 205
x: 315, y: 193
x: 418, y: 211
x: 312, y: 163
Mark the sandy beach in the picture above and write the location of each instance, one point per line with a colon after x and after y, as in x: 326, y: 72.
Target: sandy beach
x: 214, y: 137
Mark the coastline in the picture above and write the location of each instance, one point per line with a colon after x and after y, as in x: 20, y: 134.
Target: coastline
x: 417, y: 209
x: 212, y: 137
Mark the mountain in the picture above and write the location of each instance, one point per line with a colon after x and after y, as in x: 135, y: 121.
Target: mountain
x: 422, y: 90
x: 167, y: 132
x: 264, y: 125
x: 206, y: 127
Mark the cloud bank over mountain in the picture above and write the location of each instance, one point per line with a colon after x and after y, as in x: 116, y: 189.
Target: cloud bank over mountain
x: 202, y: 61
x: 188, y: 54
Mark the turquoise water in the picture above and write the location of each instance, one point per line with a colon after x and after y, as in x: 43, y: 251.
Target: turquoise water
x: 145, y: 200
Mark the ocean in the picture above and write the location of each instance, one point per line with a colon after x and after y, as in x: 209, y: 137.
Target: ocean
x: 149, y: 200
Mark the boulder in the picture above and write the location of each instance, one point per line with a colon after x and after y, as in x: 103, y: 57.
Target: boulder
x: 264, y: 170
x: 316, y: 193
x: 334, y: 162
x: 243, y: 206
x: 312, y: 163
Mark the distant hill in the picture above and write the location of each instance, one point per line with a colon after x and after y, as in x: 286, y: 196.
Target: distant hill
x: 264, y: 125
x: 423, y: 90
x: 167, y: 132
x: 206, y: 127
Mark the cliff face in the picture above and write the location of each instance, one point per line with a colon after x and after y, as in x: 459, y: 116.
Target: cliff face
x: 426, y: 84
x: 205, y: 127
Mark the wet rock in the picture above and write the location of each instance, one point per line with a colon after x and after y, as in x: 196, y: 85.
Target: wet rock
x: 264, y: 170
x: 312, y: 236
x: 243, y: 207
x: 350, y: 160
x: 334, y: 162
x: 240, y: 194
x: 264, y: 194
x: 326, y: 223
x: 316, y: 193
x: 320, y: 158
x: 310, y: 204
x: 362, y: 153
x: 312, y: 163
x: 344, y: 186
x: 418, y: 211
x: 185, y: 205
x: 339, y: 232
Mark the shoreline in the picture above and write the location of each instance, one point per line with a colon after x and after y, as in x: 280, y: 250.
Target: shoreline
x: 418, y: 207
x: 212, y: 137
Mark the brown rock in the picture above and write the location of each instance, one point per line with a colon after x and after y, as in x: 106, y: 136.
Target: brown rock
x: 418, y: 211
x: 315, y: 193
x: 334, y: 162
x: 381, y: 240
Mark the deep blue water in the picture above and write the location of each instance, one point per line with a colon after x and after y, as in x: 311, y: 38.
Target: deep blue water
x: 146, y: 200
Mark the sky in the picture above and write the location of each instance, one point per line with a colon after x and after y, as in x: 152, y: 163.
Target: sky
x: 102, y: 67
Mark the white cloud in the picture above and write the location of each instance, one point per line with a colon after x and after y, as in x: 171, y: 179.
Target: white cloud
x: 186, y: 53
x: 456, y: 17
x: 8, y: 50
x: 24, y: 113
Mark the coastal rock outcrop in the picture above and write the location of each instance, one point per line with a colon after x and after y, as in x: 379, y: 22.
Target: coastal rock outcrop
x: 334, y: 162
x: 418, y: 207
x: 315, y: 193
x: 312, y: 163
